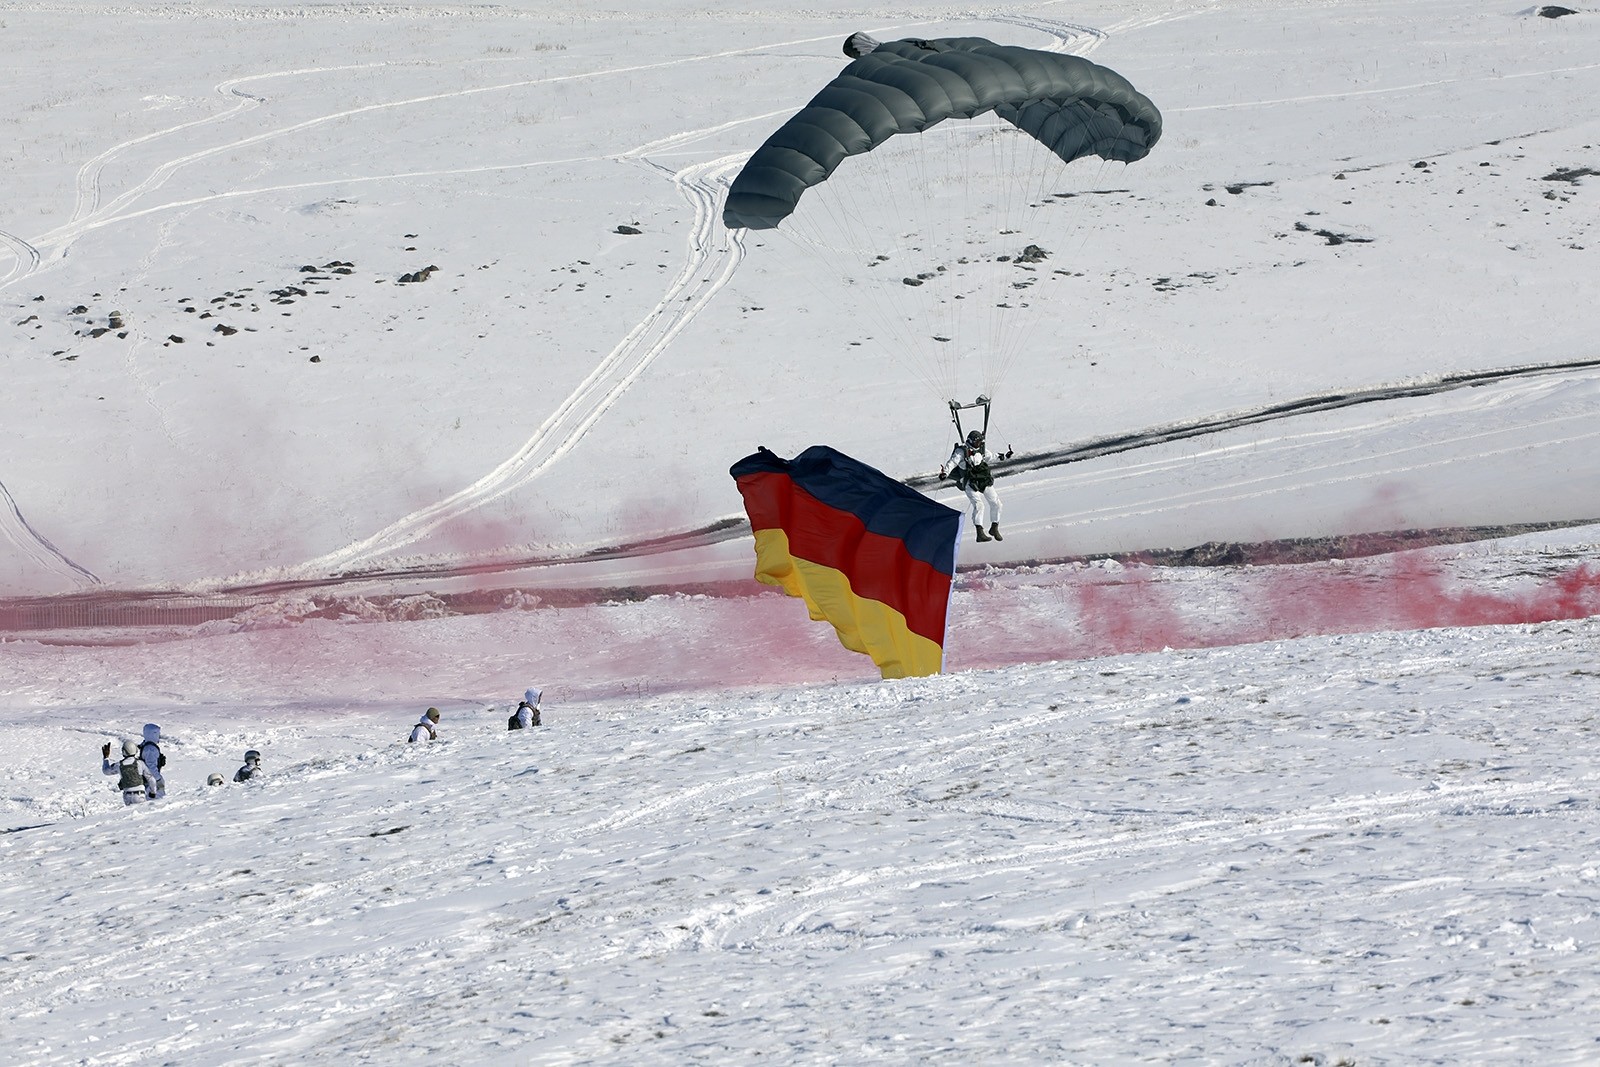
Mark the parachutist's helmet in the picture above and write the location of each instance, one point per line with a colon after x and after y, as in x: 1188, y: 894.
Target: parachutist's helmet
x: 130, y: 748
x: 252, y: 756
x: 975, y: 438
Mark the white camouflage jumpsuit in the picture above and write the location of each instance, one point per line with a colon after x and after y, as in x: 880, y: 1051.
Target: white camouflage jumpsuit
x: 964, y: 457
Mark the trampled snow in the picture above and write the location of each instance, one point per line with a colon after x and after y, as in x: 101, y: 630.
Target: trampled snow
x: 1328, y: 812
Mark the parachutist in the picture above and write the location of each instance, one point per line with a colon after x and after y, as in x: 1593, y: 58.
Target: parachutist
x: 969, y: 467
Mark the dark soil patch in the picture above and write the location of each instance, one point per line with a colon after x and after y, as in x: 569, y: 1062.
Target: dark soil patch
x: 1570, y: 174
x: 1333, y: 238
x: 1321, y: 549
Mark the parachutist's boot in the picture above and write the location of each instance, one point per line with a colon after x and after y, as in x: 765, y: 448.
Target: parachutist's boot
x: 981, y: 535
x: 994, y: 531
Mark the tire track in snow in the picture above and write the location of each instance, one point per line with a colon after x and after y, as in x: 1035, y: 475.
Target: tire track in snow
x: 1286, y: 473
x: 1161, y: 435
x: 88, y: 214
x: 88, y: 180
x: 109, y: 214
x: 731, y: 528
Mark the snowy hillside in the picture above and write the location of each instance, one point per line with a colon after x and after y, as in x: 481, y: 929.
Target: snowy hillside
x: 333, y: 363
x: 1346, y: 196
x: 1362, y: 849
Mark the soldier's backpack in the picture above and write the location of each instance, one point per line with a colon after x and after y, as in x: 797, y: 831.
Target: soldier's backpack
x: 128, y: 776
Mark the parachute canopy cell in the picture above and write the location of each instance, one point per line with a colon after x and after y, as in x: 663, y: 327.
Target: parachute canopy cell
x: 1073, y: 107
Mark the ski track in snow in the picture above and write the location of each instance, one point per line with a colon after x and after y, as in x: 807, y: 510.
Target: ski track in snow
x: 89, y: 216
x: 708, y: 267
x: 1069, y: 36
x: 88, y: 180
x: 1275, y: 455
x: 1385, y: 90
x: 16, y: 529
x: 24, y: 258
x: 1036, y: 470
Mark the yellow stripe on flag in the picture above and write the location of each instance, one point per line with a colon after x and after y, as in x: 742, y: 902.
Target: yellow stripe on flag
x: 866, y: 626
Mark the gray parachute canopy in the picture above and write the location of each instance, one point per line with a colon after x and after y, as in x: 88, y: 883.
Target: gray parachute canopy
x: 1073, y: 107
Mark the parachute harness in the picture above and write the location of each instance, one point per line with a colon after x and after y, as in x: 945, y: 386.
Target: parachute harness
x: 957, y: 408
x: 978, y: 478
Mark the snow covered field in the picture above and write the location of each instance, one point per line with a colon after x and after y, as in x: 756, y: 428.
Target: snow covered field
x: 1363, y: 849
x: 1329, y: 812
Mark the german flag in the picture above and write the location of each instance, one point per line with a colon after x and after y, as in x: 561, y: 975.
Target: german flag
x: 871, y: 556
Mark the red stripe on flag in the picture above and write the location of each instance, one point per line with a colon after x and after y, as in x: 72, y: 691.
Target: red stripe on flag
x: 878, y: 567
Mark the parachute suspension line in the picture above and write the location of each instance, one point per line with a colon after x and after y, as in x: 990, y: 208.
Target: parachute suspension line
x: 943, y: 234
x: 1036, y: 219
x: 924, y: 202
x: 943, y: 319
x: 934, y: 302
x: 894, y: 231
x: 1006, y: 184
x: 1084, y: 230
x: 948, y: 237
x: 1056, y: 215
x: 971, y: 209
x: 1076, y: 231
x: 909, y: 283
x: 840, y: 227
x: 1013, y: 175
x: 986, y: 214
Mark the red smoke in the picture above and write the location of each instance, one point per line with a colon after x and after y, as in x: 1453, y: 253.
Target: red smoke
x: 1094, y: 612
